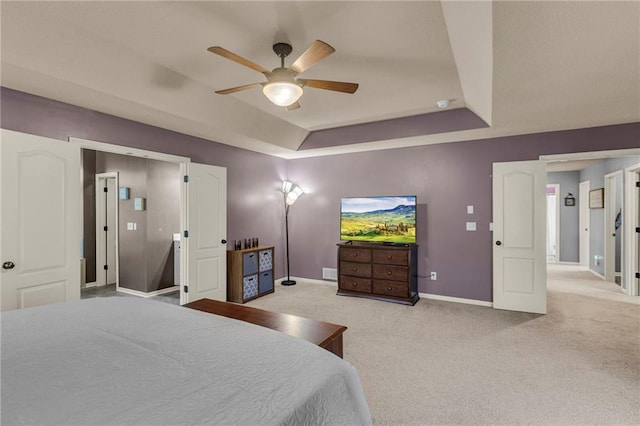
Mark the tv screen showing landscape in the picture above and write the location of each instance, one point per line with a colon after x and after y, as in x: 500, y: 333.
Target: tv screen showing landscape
x: 378, y: 219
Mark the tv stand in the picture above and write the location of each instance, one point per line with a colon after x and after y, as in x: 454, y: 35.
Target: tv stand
x: 379, y: 271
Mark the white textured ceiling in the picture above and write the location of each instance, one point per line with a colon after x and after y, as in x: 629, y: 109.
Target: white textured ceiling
x: 521, y: 66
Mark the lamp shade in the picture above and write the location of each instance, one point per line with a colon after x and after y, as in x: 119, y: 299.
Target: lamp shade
x: 293, y: 195
x: 286, y: 186
x: 282, y: 93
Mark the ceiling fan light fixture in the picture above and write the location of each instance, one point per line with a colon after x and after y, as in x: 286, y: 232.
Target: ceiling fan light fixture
x: 282, y: 93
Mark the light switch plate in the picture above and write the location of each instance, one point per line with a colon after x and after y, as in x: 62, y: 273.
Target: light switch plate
x: 471, y: 226
x: 469, y: 209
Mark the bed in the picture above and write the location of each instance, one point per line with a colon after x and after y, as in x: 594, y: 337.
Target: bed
x: 123, y: 360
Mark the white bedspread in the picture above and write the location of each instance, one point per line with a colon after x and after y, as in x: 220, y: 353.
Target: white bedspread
x: 123, y: 360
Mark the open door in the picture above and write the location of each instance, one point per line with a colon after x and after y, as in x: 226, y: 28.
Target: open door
x: 40, y: 211
x: 204, y: 241
x: 584, y: 220
x: 519, y: 230
x: 106, y: 228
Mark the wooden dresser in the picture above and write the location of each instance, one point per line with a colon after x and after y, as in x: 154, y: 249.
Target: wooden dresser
x: 381, y: 272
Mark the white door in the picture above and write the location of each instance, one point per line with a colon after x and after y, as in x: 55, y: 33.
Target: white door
x: 106, y: 228
x: 519, y: 230
x: 40, y: 211
x: 584, y: 220
x: 204, y: 244
x: 553, y: 223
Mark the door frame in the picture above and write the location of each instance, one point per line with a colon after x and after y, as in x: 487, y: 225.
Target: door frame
x: 584, y: 222
x: 610, y: 191
x: 631, y: 221
x: 629, y: 249
x: 152, y: 155
x: 590, y: 155
x: 101, y: 205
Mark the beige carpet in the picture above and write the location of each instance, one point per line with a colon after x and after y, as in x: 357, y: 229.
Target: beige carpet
x: 449, y: 363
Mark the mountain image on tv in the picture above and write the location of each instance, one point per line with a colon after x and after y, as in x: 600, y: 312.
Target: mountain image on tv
x: 378, y: 219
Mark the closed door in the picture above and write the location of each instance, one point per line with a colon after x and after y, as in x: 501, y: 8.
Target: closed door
x: 519, y: 266
x: 40, y: 212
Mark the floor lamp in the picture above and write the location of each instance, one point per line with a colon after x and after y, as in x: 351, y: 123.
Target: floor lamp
x: 291, y: 193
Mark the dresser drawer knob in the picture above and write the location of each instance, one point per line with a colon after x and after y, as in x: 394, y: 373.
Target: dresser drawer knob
x: 355, y: 254
x: 354, y: 284
x: 355, y: 269
x: 389, y: 273
x: 389, y: 257
x: 389, y: 289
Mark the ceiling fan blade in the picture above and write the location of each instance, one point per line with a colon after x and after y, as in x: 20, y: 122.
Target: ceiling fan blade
x: 236, y: 58
x: 237, y: 88
x: 293, y: 106
x: 317, y: 51
x: 337, y: 86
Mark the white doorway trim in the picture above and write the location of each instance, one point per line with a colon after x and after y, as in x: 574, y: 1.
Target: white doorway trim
x: 631, y: 221
x: 125, y: 150
x: 630, y: 246
x: 584, y: 222
x: 610, y: 190
x: 107, y: 213
x: 591, y: 155
x: 135, y: 152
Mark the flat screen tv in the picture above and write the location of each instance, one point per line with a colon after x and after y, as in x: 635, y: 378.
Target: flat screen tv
x: 389, y: 220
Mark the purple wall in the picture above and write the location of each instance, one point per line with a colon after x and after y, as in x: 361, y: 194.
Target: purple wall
x: 403, y: 127
x: 446, y: 178
x: 256, y: 212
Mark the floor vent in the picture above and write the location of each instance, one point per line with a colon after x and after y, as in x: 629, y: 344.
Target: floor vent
x: 330, y: 274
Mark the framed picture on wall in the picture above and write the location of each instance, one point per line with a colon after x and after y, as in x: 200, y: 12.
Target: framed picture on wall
x: 596, y: 198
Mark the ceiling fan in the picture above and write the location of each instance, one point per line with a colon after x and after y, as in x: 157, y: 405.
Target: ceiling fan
x: 282, y: 87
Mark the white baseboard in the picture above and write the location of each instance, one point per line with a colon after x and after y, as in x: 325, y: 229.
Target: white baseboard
x: 150, y: 294
x: 456, y: 300
x: 422, y: 295
x: 89, y: 285
x: 309, y: 280
x: 597, y: 274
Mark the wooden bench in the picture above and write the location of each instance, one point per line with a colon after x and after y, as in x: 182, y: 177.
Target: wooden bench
x: 323, y: 334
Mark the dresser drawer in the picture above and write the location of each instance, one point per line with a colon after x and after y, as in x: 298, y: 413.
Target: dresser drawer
x: 355, y: 269
x: 394, y: 273
x: 390, y: 288
x: 391, y: 257
x: 352, y: 254
x: 355, y: 283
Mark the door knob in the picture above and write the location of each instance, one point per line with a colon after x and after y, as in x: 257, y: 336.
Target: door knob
x: 224, y: 241
x: 498, y: 243
x: 8, y: 265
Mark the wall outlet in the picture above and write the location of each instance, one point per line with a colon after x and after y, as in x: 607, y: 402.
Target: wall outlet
x: 434, y: 276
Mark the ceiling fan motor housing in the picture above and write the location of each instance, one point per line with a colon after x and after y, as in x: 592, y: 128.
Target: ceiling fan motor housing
x: 283, y: 74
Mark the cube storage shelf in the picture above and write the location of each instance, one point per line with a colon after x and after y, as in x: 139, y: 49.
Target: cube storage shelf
x: 249, y: 273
